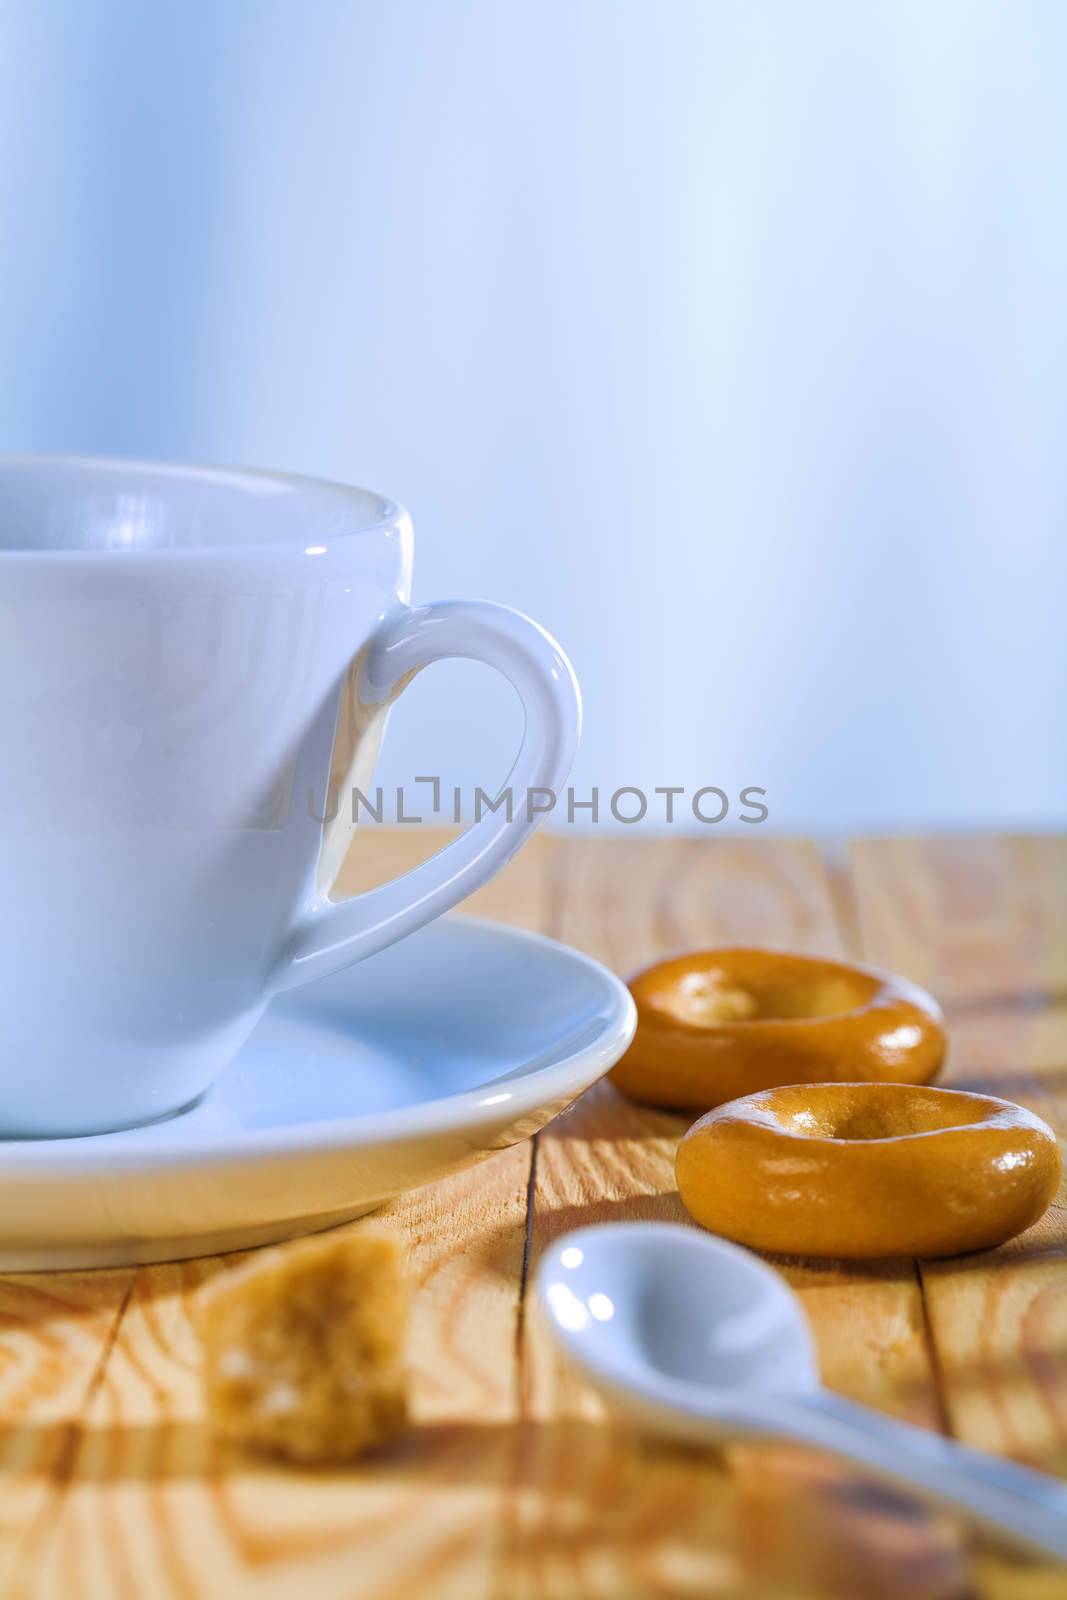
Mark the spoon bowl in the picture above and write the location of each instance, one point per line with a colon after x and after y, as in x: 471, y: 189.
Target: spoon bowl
x: 648, y: 1309
x: 699, y: 1339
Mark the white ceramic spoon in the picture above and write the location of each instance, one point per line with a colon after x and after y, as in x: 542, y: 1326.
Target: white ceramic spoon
x: 699, y: 1339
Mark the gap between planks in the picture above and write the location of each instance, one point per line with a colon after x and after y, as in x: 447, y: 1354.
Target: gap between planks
x: 837, y: 865
x: 982, y: 922
x: 151, y: 1504
x: 780, y: 1523
x: 691, y: 1530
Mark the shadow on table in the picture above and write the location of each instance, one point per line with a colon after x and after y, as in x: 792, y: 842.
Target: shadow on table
x: 566, y: 1501
x: 453, y: 1453
x: 602, y: 1113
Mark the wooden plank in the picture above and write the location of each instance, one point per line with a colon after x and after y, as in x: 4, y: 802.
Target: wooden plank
x: 55, y: 1331
x: 156, y: 1507
x: 553, y: 1499
x: 518, y: 895
x: 983, y: 923
x: 601, y: 1513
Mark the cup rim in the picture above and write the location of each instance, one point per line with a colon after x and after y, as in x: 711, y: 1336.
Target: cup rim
x: 385, y: 512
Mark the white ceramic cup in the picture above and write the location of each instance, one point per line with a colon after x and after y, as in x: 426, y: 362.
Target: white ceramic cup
x: 179, y: 647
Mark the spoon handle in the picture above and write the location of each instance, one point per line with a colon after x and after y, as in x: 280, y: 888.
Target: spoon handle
x: 1028, y: 1506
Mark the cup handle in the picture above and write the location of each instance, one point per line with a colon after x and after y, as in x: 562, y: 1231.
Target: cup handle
x: 332, y: 935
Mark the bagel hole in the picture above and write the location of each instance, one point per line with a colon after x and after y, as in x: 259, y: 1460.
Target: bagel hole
x: 858, y: 1116
x: 865, y: 1122
x: 716, y: 995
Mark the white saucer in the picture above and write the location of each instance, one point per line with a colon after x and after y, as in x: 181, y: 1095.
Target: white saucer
x: 462, y: 1040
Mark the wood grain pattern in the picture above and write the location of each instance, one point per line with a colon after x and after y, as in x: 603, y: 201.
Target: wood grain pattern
x: 984, y: 924
x: 155, y: 1507
x: 55, y: 1333
x: 513, y: 1484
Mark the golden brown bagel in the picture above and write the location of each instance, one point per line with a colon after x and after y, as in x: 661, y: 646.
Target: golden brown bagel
x: 717, y: 1024
x: 868, y: 1169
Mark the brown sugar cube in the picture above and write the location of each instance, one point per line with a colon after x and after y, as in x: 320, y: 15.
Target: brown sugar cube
x: 303, y: 1346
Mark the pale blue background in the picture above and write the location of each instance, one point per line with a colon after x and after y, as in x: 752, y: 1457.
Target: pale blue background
x: 727, y: 339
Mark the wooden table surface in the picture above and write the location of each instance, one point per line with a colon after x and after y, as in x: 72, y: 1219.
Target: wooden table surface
x: 513, y: 1483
